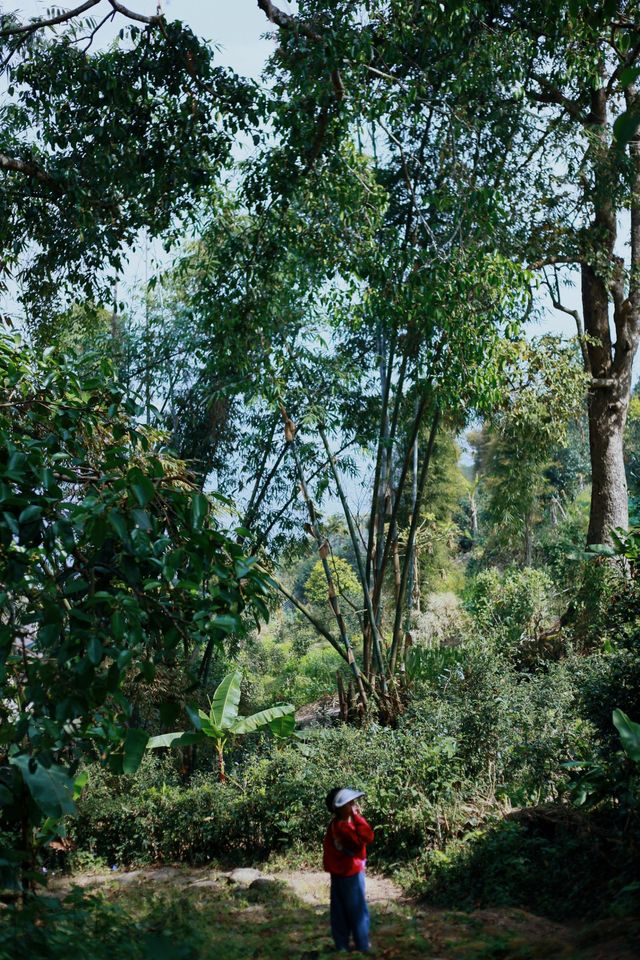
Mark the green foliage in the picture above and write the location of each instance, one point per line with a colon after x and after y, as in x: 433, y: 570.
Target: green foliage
x: 511, y: 729
x: 107, y: 142
x: 344, y: 577
x: 547, y: 863
x: 632, y: 446
x: 223, y: 721
x: 111, y: 563
x: 521, y: 455
x: 509, y: 607
x: 272, y: 802
x: 86, y: 925
x: 629, y: 734
x: 612, y: 778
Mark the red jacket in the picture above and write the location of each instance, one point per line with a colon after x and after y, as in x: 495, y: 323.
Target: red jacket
x: 345, y: 850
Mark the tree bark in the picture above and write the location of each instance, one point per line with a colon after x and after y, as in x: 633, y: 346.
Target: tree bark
x: 610, y: 362
x: 609, y: 504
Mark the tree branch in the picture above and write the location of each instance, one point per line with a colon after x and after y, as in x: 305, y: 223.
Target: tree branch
x: 287, y: 21
x: 65, y: 15
x: 551, y: 261
x: 555, y: 300
x: 30, y: 169
x: 61, y: 17
x: 551, y: 94
x: 132, y: 15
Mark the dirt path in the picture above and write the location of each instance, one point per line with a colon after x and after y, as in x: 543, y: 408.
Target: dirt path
x: 247, y: 913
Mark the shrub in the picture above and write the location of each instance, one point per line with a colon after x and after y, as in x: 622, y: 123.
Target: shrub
x: 509, y: 606
x: 512, y: 730
x: 89, y: 926
x: 609, y: 681
x: 278, y: 801
x: 560, y: 867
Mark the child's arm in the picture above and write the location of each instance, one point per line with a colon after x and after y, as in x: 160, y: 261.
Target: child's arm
x: 362, y: 828
x: 355, y: 831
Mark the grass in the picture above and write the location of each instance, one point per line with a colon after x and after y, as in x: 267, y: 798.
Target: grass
x: 146, y: 920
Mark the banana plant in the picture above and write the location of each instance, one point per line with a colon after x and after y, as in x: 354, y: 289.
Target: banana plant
x: 223, y: 722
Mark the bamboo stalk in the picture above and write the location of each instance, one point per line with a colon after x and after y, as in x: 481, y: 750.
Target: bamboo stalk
x: 412, y: 533
x: 359, y: 561
x: 323, y: 551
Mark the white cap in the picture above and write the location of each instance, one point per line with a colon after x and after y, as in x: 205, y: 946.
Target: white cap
x: 345, y: 796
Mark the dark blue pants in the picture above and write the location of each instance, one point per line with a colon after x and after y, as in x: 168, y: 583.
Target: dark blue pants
x: 349, y: 912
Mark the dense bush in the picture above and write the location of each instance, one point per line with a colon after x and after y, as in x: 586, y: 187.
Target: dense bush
x: 608, y: 681
x: 291, y: 667
x: 509, y: 606
x: 90, y: 926
x: 558, y: 867
x: 486, y: 731
x: 512, y: 730
x: 276, y: 801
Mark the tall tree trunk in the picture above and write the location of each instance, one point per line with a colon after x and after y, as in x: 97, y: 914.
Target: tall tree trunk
x: 609, y: 362
x: 609, y: 504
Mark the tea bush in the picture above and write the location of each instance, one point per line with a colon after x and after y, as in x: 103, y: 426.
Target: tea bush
x: 276, y: 801
x: 512, y: 730
x: 556, y: 870
x: 509, y: 605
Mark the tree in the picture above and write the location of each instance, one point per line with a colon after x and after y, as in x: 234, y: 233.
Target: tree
x: 330, y: 301
x: 97, y: 144
x: 539, y: 101
x: 111, y: 564
x: 577, y: 74
x: 515, y: 453
x: 347, y: 584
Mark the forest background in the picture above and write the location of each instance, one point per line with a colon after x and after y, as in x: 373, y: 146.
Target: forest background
x: 235, y: 490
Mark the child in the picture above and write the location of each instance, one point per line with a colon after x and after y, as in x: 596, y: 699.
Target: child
x: 345, y: 855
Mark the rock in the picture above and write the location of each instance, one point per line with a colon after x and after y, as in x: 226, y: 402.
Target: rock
x: 163, y: 874
x: 267, y: 884
x: 244, y: 876
x: 204, y: 884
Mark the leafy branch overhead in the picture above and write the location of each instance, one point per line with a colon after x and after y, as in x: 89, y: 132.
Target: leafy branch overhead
x: 96, y: 145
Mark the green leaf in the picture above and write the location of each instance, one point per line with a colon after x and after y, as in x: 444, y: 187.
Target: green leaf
x: 263, y: 718
x: 199, y: 510
x: 225, y: 701
x: 117, y: 624
x: 51, y: 787
x: 244, y: 566
x: 79, y: 784
x: 179, y: 739
x: 228, y: 622
x: 135, y: 743
x: 143, y: 489
x: 283, y: 726
x: 600, y: 550
x: 626, y: 126
x: 629, y: 734
x: 118, y: 522
x: 94, y: 651
x: 29, y: 514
